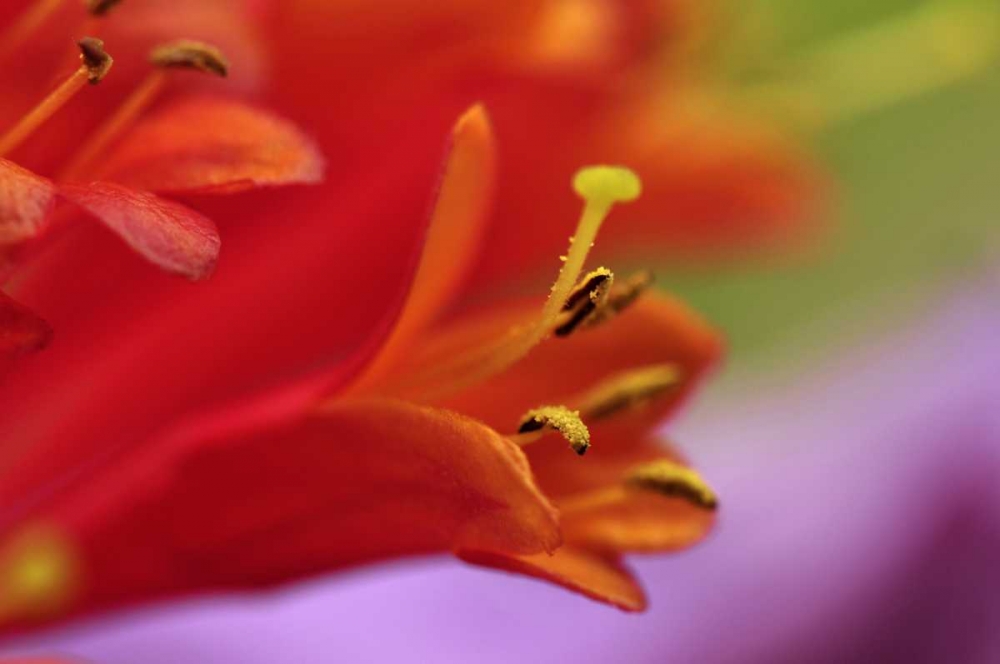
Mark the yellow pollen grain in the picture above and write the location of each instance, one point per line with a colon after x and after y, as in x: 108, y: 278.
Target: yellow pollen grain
x: 561, y: 419
x: 629, y: 390
x: 673, y: 480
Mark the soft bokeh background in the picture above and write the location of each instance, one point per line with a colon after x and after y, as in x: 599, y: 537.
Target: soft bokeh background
x: 854, y: 436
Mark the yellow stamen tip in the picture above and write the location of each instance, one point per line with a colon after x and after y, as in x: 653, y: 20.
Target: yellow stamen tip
x: 38, y: 573
x: 562, y: 419
x: 607, y: 184
x: 671, y: 479
x: 630, y: 389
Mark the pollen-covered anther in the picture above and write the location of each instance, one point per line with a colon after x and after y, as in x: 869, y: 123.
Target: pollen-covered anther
x: 561, y: 419
x: 589, y: 295
x: 96, y: 60
x: 673, y: 480
x: 189, y: 54
x: 100, y: 7
x: 630, y: 389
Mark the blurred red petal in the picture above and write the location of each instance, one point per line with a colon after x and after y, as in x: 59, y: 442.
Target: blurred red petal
x: 25, y: 202
x: 215, y: 146
x: 599, y: 576
x: 251, y: 497
x: 166, y: 233
x: 20, y: 329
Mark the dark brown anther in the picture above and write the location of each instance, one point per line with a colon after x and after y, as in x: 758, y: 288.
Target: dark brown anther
x: 187, y: 54
x: 95, y: 59
x: 100, y: 7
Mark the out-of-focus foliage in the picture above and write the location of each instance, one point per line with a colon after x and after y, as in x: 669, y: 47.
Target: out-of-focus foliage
x: 915, y: 197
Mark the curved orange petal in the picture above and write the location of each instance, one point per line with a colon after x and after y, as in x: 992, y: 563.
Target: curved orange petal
x: 25, y: 202
x: 656, y: 329
x: 20, y: 329
x: 454, y: 234
x: 213, y: 145
x: 599, y: 576
x: 174, y: 237
x: 252, y: 497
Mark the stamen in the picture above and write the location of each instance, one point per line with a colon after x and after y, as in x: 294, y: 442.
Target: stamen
x: 96, y: 64
x: 26, y: 24
x: 600, y: 187
x: 38, y: 573
x: 179, y: 54
x: 561, y: 419
x: 608, y: 299
x: 100, y: 7
x: 673, y: 480
x: 589, y: 295
x: 187, y: 54
x: 629, y: 390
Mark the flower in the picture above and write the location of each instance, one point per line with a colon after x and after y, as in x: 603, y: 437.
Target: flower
x: 884, y: 555
x: 342, y: 390
x: 381, y: 456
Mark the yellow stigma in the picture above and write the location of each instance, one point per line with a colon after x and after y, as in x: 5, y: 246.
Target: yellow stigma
x: 607, y: 184
x: 38, y: 573
x: 562, y: 419
x: 673, y: 480
x: 629, y: 390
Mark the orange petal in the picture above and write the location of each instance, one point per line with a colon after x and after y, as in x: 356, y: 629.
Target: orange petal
x: 172, y: 236
x: 656, y: 329
x: 213, y: 145
x: 257, y: 496
x: 20, y: 329
x: 598, y: 576
x: 25, y: 202
x: 454, y: 235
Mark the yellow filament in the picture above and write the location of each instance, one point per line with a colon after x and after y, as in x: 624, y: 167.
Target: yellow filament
x: 116, y: 125
x: 48, y: 106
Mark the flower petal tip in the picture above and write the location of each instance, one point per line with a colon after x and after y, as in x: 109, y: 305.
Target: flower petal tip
x: 167, y: 234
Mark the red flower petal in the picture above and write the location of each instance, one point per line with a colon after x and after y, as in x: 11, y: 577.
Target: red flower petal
x: 168, y: 234
x: 213, y: 145
x: 599, y: 576
x: 25, y: 201
x: 20, y: 329
x: 247, y: 500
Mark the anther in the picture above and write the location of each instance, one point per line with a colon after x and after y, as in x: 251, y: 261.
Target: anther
x: 96, y: 60
x: 588, y: 296
x: 100, y: 7
x: 188, y: 54
x: 673, y: 480
x: 561, y: 419
x: 38, y: 573
x: 95, y: 65
x: 629, y: 390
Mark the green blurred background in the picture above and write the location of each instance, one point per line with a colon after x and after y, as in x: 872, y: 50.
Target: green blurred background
x: 915, y: 172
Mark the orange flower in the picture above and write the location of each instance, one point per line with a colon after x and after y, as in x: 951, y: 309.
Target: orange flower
x: 340, y: 391
x: 410, y: 447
